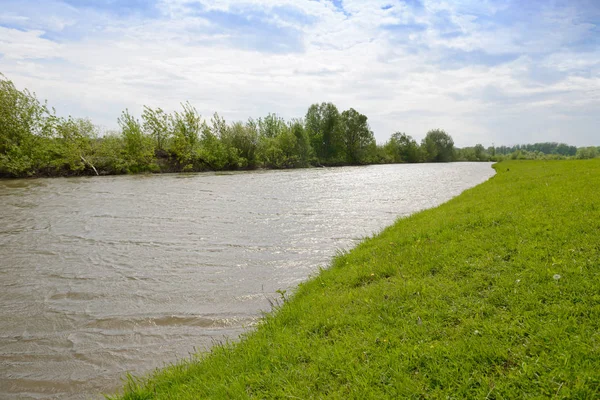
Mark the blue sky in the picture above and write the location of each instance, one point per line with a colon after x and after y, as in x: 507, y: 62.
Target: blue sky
x: 502, y: 72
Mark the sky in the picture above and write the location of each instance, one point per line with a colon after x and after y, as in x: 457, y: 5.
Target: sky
x: 489, y: 72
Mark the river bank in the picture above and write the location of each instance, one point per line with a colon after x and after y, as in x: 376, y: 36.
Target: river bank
x: 493, y: 294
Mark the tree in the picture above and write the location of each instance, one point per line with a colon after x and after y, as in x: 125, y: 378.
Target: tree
x: 74, y: 145
x: 480, y: 154
x: 187, y: 126
x: 322, y: 123
x: 25, y: 123
x: 356, y: 135
x: 566, y: 150
x: 303, y: 148
x: 438, y: 146
x: 279, y: 151
x: 213, y: 151
x: 244, y: 139
x: 108, y: 154
x: 277, y: 143
x: 139, y: 148
x: 157, y: 124
x: 586, y: 152
x: 402, y: 148
x: 270, y: 126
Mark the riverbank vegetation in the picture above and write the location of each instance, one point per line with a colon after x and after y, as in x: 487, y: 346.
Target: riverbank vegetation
x: 491, y: 295
x: 36, y: 142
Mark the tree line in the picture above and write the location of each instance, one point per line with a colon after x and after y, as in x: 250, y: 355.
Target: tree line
x: 36, y: 142
x: 536, y: 151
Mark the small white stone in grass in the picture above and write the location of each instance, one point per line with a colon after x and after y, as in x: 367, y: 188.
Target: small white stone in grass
x: 556, y: 277
x: 476, y: 332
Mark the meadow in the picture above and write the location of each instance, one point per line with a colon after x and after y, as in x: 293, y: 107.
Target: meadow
x: 494, y: 294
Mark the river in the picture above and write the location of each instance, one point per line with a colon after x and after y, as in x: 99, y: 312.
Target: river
x: 100, y: 276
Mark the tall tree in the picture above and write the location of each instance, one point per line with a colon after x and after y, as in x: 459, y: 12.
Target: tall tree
x: 356, y: 135
x: 322, y: 124
x: 438, y: 146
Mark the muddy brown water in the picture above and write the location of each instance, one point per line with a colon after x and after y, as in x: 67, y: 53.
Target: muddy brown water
x: 107, y: 275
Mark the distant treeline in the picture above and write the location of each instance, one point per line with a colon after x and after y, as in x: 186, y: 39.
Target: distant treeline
x: 536, y: 151
x: 35, y: 142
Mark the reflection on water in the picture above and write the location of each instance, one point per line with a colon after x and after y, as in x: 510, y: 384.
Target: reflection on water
x: 100, y: 276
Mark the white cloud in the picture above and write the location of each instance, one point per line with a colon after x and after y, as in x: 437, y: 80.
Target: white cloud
x: 18, y: 45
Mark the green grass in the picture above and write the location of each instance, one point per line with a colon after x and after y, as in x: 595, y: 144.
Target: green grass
x: 495, y: 294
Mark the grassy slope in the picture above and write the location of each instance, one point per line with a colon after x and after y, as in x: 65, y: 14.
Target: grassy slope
x: 460, y: 301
